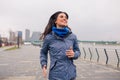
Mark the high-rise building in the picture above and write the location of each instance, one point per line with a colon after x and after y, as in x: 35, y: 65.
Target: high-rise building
x: 27, y: 35
x: 35, y: 36
x: 12, y: 37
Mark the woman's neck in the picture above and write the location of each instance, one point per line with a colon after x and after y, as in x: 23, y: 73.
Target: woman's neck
x: 59, y: 27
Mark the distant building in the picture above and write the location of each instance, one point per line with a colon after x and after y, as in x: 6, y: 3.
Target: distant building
x: 3, y: 41
x: 12, y: 37
x: 27, y: 35
x: 35, y: 36
x: 0, y: 41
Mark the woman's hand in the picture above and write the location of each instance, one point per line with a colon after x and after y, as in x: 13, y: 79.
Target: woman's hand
x: 70, y: 53
x: 44, y: 71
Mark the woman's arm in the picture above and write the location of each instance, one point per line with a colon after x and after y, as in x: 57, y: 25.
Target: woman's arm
x: 44, y: 57
x: 73, y: 52
x: 44, y: 53
x: 76, y: 49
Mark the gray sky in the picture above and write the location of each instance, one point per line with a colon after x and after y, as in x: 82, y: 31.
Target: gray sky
x: 89, y: 19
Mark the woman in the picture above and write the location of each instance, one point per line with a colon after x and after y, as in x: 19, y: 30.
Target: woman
x: 62, y: 46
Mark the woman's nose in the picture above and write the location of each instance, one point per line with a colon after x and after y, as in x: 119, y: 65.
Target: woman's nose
x: 64, y: 18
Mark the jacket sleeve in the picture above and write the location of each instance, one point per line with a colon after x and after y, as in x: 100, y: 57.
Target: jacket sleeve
x: 76, y: 49
x: 44, y: 53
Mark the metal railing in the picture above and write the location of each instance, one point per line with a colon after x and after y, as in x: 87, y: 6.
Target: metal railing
x: 101, y: 55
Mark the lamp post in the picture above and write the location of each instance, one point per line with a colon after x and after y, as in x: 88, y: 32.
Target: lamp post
x: 19, y: 38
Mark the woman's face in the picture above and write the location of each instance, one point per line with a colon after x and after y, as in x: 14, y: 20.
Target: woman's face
x: 61, y: 20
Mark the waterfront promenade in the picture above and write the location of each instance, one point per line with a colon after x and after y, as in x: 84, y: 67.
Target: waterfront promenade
x: 23, y: 64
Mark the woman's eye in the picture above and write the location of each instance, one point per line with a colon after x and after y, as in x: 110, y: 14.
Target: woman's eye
x: 61, y: 16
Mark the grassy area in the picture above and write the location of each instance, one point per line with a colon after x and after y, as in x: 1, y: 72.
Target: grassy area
x: 11, y: 48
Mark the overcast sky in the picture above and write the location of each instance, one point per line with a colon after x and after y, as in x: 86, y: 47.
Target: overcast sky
x: 89, y: 19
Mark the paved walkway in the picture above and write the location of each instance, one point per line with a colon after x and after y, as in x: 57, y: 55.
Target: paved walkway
x: 23, y: 64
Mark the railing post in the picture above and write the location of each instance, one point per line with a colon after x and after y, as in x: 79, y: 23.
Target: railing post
x: 97, y: 54
x: 117, y: 57
x: 106, y: 56
x: 84, y: 53
x: 90, y: 54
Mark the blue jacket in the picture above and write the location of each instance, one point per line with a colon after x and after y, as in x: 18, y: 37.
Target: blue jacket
x: 61, y: 67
